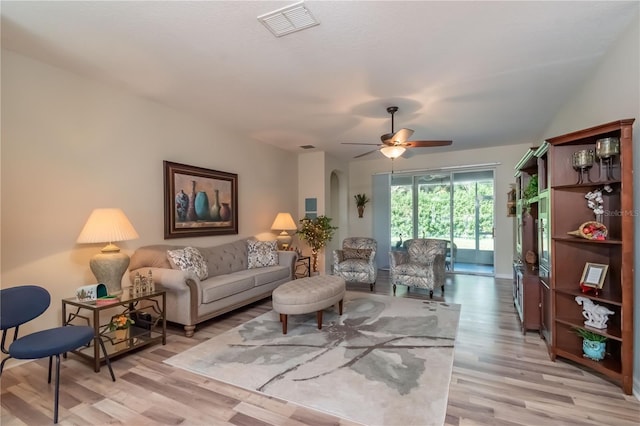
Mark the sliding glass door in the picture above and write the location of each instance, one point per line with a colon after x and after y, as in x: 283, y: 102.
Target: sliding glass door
x: 455, y: 206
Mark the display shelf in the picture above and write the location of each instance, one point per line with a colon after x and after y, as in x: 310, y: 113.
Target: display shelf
x: 570, y: 254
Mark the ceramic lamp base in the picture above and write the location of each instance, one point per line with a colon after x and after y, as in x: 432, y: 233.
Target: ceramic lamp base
x: 109, y: 268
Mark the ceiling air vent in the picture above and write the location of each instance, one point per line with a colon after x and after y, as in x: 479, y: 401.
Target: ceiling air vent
x: 307, y: 146
x: 288, y: 19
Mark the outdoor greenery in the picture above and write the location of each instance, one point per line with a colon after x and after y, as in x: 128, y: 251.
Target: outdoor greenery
x: 434, y: 219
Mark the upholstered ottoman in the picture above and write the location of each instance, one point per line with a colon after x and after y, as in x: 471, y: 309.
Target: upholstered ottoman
x: 312, y: 294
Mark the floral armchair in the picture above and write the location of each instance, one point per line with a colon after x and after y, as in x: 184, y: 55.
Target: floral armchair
x: 355, y: 262
x: 422, y: 265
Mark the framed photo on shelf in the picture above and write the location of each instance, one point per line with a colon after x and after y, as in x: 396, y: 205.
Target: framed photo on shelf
x: 593, y: 275
x: 199, y: 202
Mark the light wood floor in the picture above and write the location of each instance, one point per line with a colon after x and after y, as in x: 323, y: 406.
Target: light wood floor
x: 500, y: 377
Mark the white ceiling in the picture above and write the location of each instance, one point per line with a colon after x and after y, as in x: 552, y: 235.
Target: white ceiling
x: 479, y: 73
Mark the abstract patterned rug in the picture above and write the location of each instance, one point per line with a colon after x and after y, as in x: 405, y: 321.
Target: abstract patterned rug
x: 385, y: 361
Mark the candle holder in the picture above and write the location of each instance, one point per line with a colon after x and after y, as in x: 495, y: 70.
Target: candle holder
x: 582, y: 161
x: 606, y: 150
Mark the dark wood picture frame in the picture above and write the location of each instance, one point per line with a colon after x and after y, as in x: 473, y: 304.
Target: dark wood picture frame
x: 199, y: 202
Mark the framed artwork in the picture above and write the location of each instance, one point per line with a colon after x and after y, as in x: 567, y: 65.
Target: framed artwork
x: 199, y: 202
x: 593, y: 275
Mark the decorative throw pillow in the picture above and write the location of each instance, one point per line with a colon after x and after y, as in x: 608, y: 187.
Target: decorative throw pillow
x: 356, y: 253
x: 262, y: 253
x: 188, y: 259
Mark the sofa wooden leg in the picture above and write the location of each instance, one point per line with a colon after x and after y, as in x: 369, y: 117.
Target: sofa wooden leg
x: 283, y: 319
x: 442, y: 289
x: 319, y: 318
x: 189, y: 330
x: 340, y: 304
x: 394, y: 289
x: 430, y: 294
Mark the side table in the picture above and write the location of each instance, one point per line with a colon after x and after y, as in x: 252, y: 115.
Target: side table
x: 303, y: 267
x: 149, y: 311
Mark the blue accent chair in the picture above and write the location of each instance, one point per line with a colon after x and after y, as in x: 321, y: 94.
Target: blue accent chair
x: 21, y: 304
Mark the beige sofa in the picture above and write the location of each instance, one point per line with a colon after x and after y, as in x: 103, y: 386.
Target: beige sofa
x: 229, y: 284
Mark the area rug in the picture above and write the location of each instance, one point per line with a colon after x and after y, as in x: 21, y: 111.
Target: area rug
x: 385, y: 361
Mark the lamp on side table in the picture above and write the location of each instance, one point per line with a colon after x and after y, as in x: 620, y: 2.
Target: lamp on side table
x: 107, y: 226
x: 284, y: 222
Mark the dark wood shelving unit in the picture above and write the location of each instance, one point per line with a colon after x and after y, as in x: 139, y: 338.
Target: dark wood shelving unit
x: 569, y: 254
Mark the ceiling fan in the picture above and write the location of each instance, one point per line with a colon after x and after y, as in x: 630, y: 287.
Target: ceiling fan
x: 395, y: 143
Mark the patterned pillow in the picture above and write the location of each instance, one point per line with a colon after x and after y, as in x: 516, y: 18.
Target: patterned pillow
x: 356, y: 253
x: 188, y: 259
x: 262, y: 253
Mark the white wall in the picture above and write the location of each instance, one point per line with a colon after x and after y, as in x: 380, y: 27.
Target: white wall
x: 613, y: 93
x: 361, y: 172
x: 70, y: 145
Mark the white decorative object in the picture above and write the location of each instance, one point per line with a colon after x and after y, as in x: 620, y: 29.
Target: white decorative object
x: 596, y: 315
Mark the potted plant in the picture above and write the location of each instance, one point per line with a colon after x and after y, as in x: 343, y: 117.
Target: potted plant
x: 361, y: 200
x: 316, y: 233
x: 120, y: 325
x: 593, y: 344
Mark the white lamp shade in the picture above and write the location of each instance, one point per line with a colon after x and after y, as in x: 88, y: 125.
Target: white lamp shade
x: 284, y: 222
x: 107, y: 226
x: 392, y: 152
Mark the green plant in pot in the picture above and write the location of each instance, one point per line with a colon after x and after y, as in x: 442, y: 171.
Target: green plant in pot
x: 361, y: 201
x: 593, y: 344
x: 316, y: 233
x: 530, y: 191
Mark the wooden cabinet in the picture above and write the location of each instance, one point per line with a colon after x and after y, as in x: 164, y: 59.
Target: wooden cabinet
x: 526, y: 292
x: 569, y: 254
x: 526, y: 296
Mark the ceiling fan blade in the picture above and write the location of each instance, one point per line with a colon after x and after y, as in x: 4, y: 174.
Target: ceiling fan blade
x: 398, y: 137
x: 360, y: 143
x: 423, y: 144
x: 366, y: 153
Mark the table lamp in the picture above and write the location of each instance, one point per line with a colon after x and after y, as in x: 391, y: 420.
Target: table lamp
x: 284, y: 222
x: 107, y: 226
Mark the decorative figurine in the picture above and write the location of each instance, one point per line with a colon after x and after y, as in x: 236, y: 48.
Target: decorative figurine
x: 596, y: 315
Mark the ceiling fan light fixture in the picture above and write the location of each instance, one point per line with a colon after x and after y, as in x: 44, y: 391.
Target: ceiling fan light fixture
x: 392, y: 152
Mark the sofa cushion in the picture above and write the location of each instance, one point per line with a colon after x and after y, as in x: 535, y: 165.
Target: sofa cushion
x: 226, y: 258
x: 262, y: 253
x: 188, y: 259
x: 222, y: 286
x: 356, y: 253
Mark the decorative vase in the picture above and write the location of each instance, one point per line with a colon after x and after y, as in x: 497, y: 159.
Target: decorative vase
x: 182, y: 205
x: 225, y: 212
x: 215, y: 207
x: 360, y: 211
x: 121, y: 338
x: 593, y: 350
x: 191, y: 210
x: 202, y: 206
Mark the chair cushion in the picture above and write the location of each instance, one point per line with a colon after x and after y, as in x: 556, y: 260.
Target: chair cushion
x: 51, y: 342
x: 262, y: 253
x: 356, y: 253
x: 188, y: 259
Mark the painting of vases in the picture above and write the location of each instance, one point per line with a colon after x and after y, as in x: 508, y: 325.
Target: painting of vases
x: 200, y: 201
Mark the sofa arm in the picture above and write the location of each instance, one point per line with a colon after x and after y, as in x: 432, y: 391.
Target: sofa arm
x: 398, y: 258
x: 338, y: 256
x: 288, y: 258
x: 170, y: 279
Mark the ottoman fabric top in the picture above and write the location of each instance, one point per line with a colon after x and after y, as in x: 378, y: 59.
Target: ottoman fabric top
x: 309, y: 290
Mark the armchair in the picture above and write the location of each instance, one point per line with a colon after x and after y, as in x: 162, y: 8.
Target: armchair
x: 355, y: 262
x: 422, y: 265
